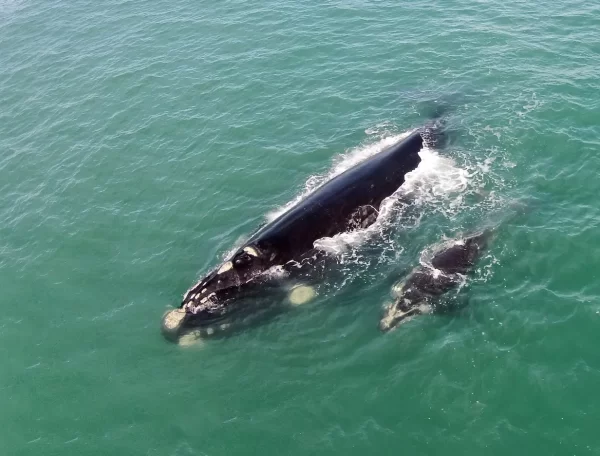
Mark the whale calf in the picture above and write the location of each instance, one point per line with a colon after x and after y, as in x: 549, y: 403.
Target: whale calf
x: 426, y: 283
x: 349, y: 201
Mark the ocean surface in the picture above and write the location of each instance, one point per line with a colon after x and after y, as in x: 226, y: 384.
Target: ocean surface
x: 140, y: 141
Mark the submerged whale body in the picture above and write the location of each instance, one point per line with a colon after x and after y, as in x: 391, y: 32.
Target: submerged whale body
x: 347, y: 202
x: 448, y: 269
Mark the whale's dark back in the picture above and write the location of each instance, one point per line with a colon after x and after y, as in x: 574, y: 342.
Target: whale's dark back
x: 461, y: 257
x: 327, y: 211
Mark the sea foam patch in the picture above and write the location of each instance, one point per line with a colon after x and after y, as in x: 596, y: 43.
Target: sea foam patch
x: 437, y: 182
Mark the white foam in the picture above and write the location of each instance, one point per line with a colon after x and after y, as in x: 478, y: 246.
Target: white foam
x: 435, y: 178
x: 343, y: 242
x: 276, y: 272
x: 437, y: 182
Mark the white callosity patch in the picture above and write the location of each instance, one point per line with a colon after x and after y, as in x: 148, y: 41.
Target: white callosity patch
x: 173, y: 319
x: 225, y: 267
x: 392, y: 315
x: 251, y: 251
x: 188, y: 296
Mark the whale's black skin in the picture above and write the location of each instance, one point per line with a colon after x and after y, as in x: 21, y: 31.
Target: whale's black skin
x: 347, y: 202
x: 447, y: 270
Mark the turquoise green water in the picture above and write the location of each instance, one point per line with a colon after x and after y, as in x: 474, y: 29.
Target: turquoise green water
x: 139, y: 141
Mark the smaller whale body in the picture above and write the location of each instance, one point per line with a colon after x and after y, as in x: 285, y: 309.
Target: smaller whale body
x: 349, y: 201
x: 448, y: 268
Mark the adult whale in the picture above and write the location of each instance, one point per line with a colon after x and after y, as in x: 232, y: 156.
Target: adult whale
x: 347, y: 202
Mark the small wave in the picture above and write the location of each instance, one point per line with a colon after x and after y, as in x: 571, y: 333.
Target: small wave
x: 10, y: 6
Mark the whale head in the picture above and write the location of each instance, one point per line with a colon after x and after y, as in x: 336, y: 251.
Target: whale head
x: 394, y: 317
x: 213, y: 298
x: 408, y: 303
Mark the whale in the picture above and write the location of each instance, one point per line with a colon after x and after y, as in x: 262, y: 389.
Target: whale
x: 420, y: 292
x: 350, y: 201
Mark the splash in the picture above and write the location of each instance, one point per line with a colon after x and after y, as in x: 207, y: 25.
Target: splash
x: 437, y: 183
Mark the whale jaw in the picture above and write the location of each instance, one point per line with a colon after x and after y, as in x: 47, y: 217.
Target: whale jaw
x: 401, y: 312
